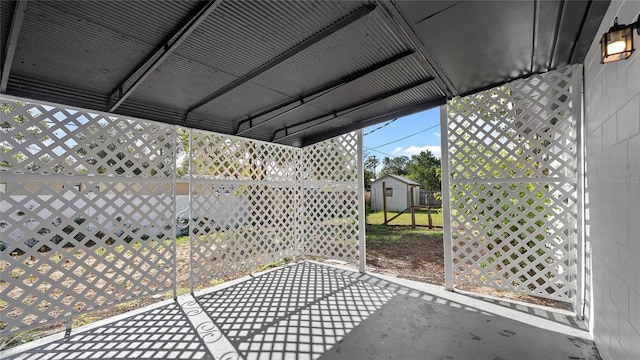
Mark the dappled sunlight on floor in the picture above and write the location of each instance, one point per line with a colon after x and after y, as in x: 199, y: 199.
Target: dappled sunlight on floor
x: 309, y: 311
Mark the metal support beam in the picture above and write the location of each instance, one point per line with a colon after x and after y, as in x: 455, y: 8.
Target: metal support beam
x: 322, y: 34
x: 536, y: 29
x: 12, y: 43
x: 556, y: 33
x: 588, y: 29
x: 375, y: 120
x: 143, y: 70
x: 344, y: 111
x: 322, y: 91
x: 429, y: 60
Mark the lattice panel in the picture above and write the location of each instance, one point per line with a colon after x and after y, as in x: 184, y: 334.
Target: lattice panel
x: 46, y: 139
x: 243, y: 205
x: 87, y: 211
x: 329, y: 198
x: 93, y: 223
x: 516, y: 236
x: 331, y: 160
x: 217, y: 156
x: 512, y: 167
x: 331, y: 229
x: 70, y: 245
x: 522, y: 129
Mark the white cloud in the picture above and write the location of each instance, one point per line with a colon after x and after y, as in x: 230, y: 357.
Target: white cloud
x: 436, y: 134
x: 415, y: 150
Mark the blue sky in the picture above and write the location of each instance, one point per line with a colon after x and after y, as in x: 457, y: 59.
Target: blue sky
x: 412, y: 124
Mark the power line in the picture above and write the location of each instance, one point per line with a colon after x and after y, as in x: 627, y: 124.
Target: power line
x: 408, y: 136
x: 380, y: 127
x: 380, y: 152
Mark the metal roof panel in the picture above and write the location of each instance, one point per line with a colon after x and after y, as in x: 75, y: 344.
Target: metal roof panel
x: 179, y: 82
x: 480, y: 62
x: 91, y: 45
x: 369, y: 41
x: 242, y: 35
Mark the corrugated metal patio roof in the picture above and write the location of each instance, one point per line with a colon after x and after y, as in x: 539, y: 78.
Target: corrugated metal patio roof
x: 288, y: 72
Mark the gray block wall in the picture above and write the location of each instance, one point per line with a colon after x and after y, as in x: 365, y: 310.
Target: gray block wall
x: 612, y: 131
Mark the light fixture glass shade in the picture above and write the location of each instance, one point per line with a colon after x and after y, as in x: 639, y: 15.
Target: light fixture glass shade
x: 617, y: 44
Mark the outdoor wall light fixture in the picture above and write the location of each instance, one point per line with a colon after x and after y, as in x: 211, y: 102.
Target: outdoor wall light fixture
x: 617, y: 43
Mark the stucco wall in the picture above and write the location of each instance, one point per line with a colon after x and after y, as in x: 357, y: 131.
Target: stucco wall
x: 612, y: 131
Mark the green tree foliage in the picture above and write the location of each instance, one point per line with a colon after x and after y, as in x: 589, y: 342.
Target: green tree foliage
x: 370, y: 164
x: 423, y: 169
x: 394, y: 166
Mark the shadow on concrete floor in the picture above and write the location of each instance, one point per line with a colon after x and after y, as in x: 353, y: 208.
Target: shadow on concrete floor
x: 313, y: 311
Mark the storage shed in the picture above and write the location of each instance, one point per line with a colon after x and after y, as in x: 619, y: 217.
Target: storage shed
x: 397, y: 189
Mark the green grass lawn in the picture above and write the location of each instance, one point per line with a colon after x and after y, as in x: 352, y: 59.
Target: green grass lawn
x: 380, y: 234
x: 377, y: 218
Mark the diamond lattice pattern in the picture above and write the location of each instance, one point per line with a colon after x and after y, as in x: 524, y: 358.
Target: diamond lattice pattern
x: 513, y: 180
x: 329, y: 191
x: 43, y: 139
x: 88, y: 207
x: 243, y: 201
x: 87, y: 212
x: 523, y: 129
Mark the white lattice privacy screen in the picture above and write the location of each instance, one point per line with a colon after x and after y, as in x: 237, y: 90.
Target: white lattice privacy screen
x: 243, y: 202
x: 88, y: 203
x: 87, y: 211
x: 513, y: 177
x: 329, y: 189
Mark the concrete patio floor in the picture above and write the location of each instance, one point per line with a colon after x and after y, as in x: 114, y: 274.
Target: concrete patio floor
x: 314, y: 311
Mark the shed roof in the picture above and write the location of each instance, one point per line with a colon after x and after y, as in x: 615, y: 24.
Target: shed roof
x: 288, y: 72
x: 397, y: 177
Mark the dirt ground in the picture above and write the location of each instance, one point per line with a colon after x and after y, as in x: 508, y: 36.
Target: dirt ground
x: 419, y: 256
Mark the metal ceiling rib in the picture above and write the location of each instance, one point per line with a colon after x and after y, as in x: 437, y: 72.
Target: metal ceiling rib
x: 241, y: 101
x: 368, y: 41
x: 395, y: 75
x: 309, y: 129
x: 569, y: 28
x: 282, y: 57
x: 592, y: 19
x: 320, y: 62
x: 11, y: 43
x: 179, y: 82
x: 270, y: 114
x: 6, y: 15
x: 328, y: 119
x: 242, y: 35
x: 161, y: 53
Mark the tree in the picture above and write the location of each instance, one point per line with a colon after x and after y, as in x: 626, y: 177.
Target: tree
x: 394, y: 166
x: 370, y: 164
x: 423, y: 169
